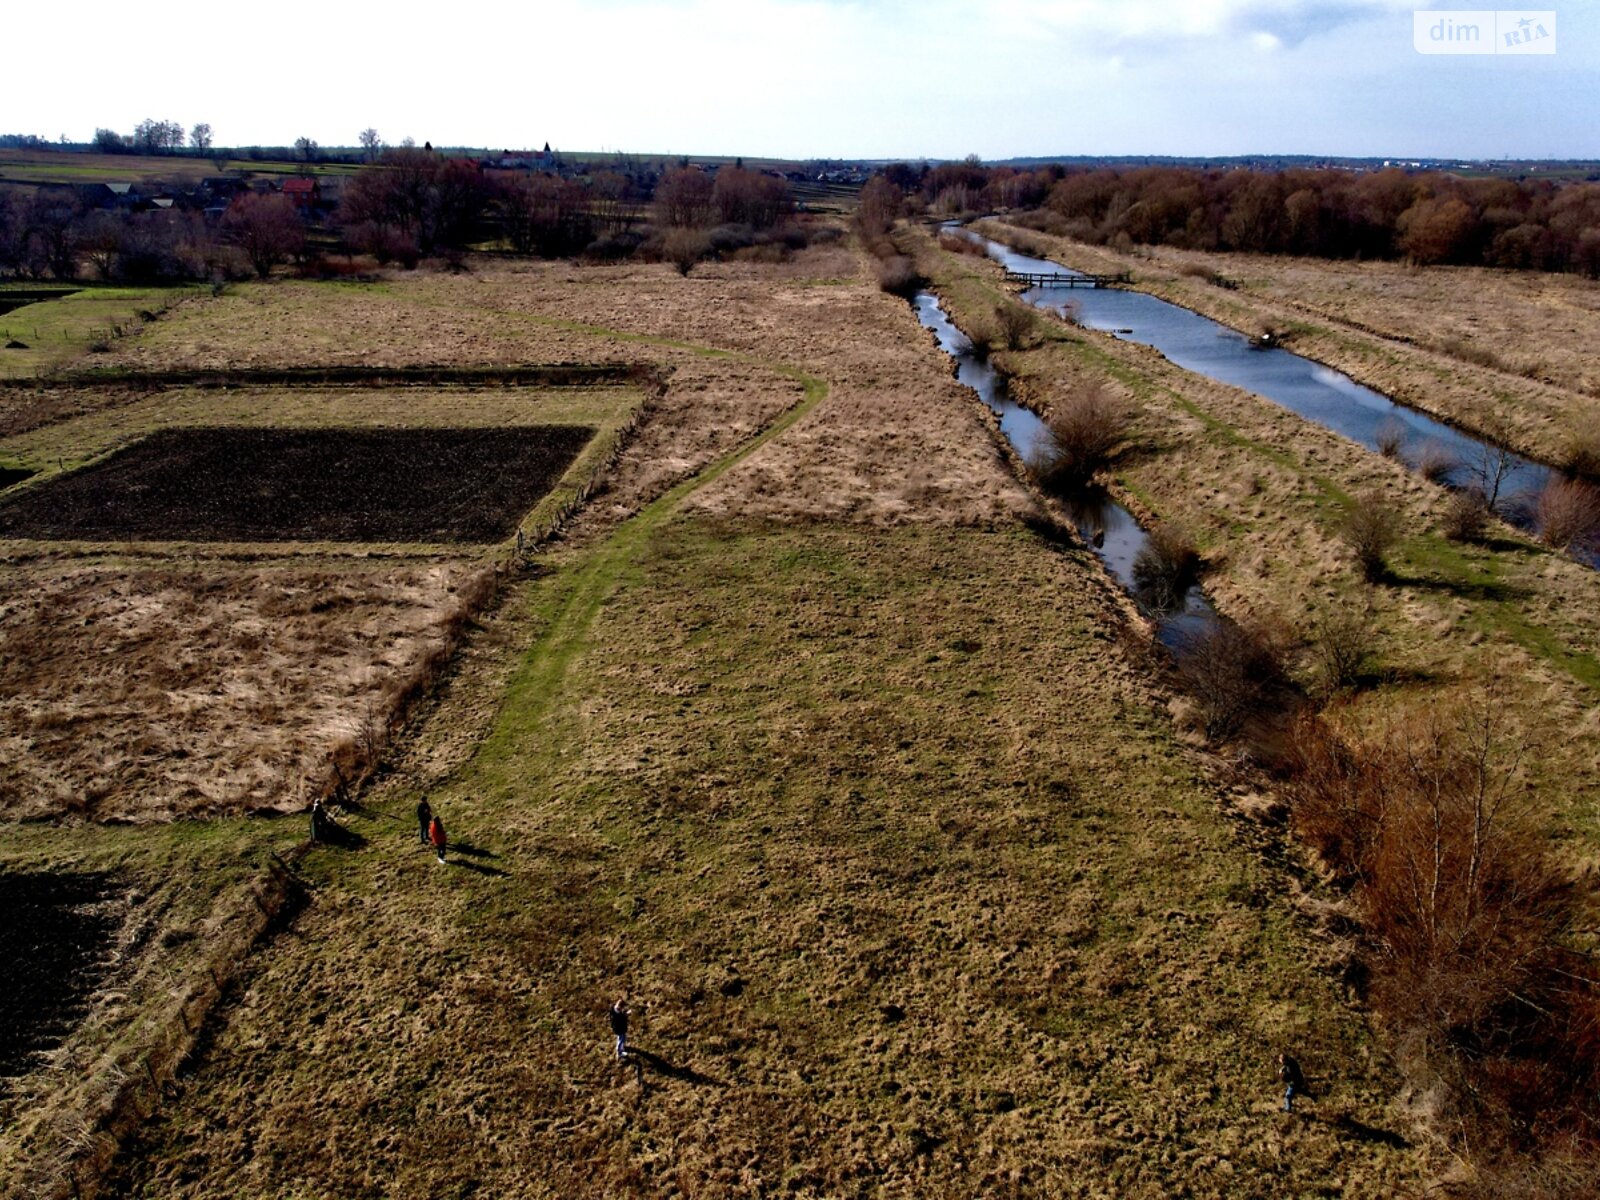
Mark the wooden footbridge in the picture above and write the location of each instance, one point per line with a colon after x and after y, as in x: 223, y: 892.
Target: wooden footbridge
x: 1061, y: 279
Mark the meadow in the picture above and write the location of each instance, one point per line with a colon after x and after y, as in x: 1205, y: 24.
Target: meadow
x: 799, y: 732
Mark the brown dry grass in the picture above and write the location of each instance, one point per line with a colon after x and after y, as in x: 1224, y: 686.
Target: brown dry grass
x: 138, y: 693
x: 903, y: 914
x: 842, y: 777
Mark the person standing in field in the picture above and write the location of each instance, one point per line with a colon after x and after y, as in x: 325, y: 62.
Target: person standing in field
x: 619, y: 1028
x: 424, y: 816
x: 1293, y: 1080
x: 436, y: 835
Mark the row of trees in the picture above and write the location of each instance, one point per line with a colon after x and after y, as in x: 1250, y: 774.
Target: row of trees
x: 155, y: 137
x: 410, y: 203
x: 1427, y: 218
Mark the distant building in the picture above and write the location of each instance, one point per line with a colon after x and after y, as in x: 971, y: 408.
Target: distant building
x: 303, y: 193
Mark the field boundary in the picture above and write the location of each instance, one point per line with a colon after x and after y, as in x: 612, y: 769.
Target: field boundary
x: 133, y: 1083
x: 535, y: 374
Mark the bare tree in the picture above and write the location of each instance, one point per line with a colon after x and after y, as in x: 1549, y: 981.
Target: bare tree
x: 305, y: 149
x: 155, y: 137
x: 266, y: 228
x: 1494, y: 462
x: 371, y: 143
x: 200, y: 138
x: 683, y: 198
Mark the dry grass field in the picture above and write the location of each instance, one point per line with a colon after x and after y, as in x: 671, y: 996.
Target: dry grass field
x: 797, y: 735
x: 1502, y: 351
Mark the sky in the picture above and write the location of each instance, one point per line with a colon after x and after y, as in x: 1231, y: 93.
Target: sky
x: 877, y: 79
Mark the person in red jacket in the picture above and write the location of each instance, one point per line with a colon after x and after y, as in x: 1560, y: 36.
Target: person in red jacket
x: 436, y: 835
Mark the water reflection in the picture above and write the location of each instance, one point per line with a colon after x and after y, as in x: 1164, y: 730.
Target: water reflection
x: 1441, y: 452
x: 1108, y: 528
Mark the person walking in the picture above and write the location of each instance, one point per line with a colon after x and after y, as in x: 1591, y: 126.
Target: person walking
x: 436, y: 835
x: 1293, y: 1080
x: 424, y: 816
x: 619, y: 1028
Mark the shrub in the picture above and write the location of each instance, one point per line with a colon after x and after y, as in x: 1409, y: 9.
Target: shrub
x: 899, y: 276
x: 1342, y: 644
x: 1016, y: 323
x: 1233, y: 672
x: 1371, y: 528
x: 1428, y: 824
x: 954, y: 243
x: 1466, y: 517
x: 1085, y: 427
x: 1569, y: 513
x: 1583, y: 454
x: 1166, y: 567
x: 1390, y: 437
x: 684, y: 247
x: 1436, y: 464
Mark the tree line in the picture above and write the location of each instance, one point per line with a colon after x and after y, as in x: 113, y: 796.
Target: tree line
x: 409, y: 204
x: 1425, y: 217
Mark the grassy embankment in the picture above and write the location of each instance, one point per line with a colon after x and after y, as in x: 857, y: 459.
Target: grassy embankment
x: 917, y: 888
x: 1264, y: 493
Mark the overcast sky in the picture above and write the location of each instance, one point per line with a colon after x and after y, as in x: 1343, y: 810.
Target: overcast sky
x: 806, y: 78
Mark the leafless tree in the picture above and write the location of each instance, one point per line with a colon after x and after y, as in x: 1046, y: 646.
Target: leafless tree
x: 1371, y: 529
x: 371, y: 144
x: 1494, y: 462
x: 683, y: 198
x: 266, y: 228
x: 305, y: 149
x: 200, y: 138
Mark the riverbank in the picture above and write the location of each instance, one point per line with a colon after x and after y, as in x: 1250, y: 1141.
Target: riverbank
x: 1504, y: 355
x: 1264, y: 494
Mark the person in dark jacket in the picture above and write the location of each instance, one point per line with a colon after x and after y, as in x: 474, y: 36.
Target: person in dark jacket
x: 436, y: 835
x: 1293, y: 1080
x: 424, y: 816
x: 619, y: 1027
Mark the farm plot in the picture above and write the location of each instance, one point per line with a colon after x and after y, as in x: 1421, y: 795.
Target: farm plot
x: 286, y: 485
x: 55, y: 943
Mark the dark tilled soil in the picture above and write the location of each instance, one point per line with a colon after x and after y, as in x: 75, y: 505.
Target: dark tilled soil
x: 286, y: 485
x: 55, y: 942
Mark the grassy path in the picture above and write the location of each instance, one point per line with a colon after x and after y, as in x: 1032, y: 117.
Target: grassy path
x: 589, y: 586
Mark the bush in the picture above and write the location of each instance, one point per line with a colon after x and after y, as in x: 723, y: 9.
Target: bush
x: 1390, y: 437
x: 899, y: 276
x: 1466, y: 517
x: 1342, y: 644
x: 1569, y: 514
x: 954, y: 243
x: 1016, y: 323
x: 1085, y: 428
x: 685, y: 247
x: 1428, y: 825
x: 1436, y: 464
x: 1166, y: 567
x: 1233, y: 672
x: 1371, y: 528
x: 1583, y: 455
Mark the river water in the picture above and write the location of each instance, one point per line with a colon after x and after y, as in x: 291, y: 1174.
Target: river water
x: 1108, y: 528
x: 1307, y: 388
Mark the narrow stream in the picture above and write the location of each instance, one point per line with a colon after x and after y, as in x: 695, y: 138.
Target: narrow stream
x: 1108, y: 528
x: 1307, y: 388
